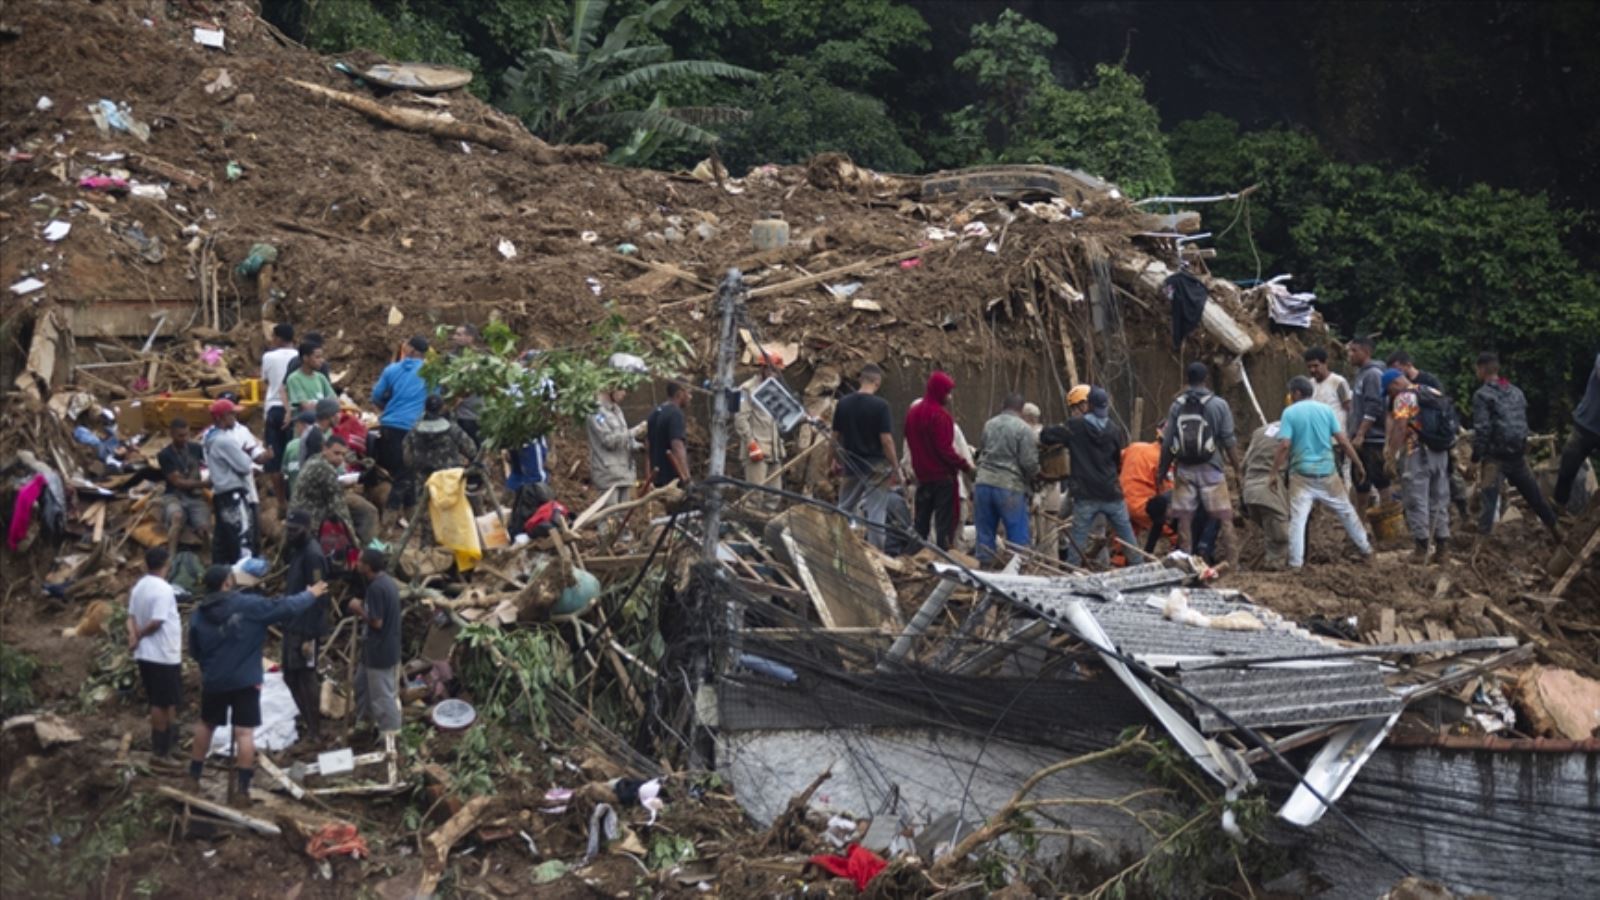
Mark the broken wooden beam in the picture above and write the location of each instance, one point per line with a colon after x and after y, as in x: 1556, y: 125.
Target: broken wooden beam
x: 143, y: 162
x: 221, y: 811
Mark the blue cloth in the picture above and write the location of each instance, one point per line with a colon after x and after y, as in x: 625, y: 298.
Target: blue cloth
x: 104, y: 448
x: 1390, y: 376
x: 1084, y: 512
x: 528, y: 465
x: 226, y: 632
x: 997, y: 507
x: 1309, y: 427
x: 402, y: 393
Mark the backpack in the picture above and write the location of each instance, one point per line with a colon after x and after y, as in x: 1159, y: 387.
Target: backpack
x: 1437, y: 422
x: 1193, y: 443
x: 1508, y: 423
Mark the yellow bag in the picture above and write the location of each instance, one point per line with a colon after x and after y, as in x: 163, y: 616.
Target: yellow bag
x: 454, y: 526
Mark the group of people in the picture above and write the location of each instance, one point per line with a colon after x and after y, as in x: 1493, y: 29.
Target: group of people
x: 1339, y: 445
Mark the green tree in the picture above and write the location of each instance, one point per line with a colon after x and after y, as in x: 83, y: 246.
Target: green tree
x: 1010, y: 61
x: 580, y: 86
x: 1107, y: 128
x: 796, y: 115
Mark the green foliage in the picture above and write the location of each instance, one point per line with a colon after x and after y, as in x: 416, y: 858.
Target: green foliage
x: 585, y: 86
x: 1009, y: 60
x: 41, y: 848
x: 668, y: 850
x: 518, y: 674
x: 797, y: 115
x: 399, y: 30
x: 483, y: 756
x: 16, y: 681
x: 1443, y: 272
x: 523, y: 401
x: 1107, y: 129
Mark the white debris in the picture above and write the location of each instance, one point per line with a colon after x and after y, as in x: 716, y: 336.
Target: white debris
x: 26, y: 286
x: 507, y: 249
x: 56, y: 230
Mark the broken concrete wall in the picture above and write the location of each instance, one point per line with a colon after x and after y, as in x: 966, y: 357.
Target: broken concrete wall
x: 937, y: 773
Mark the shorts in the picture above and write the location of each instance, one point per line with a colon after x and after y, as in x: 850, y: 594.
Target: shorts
x: 1203, y: 485
x: 163, y: 683
x: 276, y: 435
x: 244, y: 703
x: 180, y: 510
x: 1372, y: 460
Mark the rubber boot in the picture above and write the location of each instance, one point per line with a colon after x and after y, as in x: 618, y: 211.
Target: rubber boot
x: 1420, y: 554
x: 1441, y: 551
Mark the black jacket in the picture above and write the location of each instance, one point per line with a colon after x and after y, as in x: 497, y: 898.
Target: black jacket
x: 1096, y: 460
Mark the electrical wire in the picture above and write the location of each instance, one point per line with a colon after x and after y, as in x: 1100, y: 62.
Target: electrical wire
x: 1133, y: 664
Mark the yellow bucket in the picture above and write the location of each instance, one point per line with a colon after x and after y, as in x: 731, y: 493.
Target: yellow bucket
x: 1388, y: 521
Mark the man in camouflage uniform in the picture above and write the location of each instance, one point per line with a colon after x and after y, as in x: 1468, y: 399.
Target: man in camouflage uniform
x: 435, y: 443
x: 317, y: 490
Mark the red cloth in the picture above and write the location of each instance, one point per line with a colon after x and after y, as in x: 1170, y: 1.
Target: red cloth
x: 931, y: 434
x: 22, y: 512
x: 349, y: 427
x: 337, y: 839
x: 544, y: 514
x: 858, y: 864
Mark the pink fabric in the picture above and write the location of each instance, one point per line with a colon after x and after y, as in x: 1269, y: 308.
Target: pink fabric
x: 22, y: 513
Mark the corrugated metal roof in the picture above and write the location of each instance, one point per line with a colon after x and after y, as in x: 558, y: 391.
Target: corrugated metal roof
x: 1290, y: 696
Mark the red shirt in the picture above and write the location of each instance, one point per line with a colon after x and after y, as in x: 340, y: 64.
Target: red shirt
x: 931, y: 434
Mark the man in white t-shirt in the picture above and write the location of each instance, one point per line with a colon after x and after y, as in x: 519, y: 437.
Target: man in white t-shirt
x: 274, y: 371
x: 155, y: 638
x: 1331, y: 390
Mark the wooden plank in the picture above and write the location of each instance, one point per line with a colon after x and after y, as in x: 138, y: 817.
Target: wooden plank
x: 794, y: 284
x: 824, y: 612
x: 1577, y: 564
x: 271, y: 768
x: 260, y: 826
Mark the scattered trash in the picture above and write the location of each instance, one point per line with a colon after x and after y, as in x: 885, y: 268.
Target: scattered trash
x: 149, y: 192
x: 210, y: 37
x: 219, y: 82
x: 147, y: 245
x: 992, y: 247
x: 857, y: 864
x: 555, y: 801
x: 233, y: 171
x: 56, y: 230
x: 550, y: 870
x: 26, y: 286
x: 420, y: 77
x: 211, y: 356
x: 109, y: 116
x: 395, y: 316
x: 104, y: 183
x: 975, y: 229
x: 911, y: 263
x: 865, y: 305
x: 627, y: 249
x: 45, y: 104
x: 453, y: 715
x: 594, y: 285
x: 769, y: 233
x: 705, y: 231
x: 843, y: 291
x: 337, y: 839
x: 627, y: 362
x: 260, y: 255
x: 507, y: 249
x: 588, y: 237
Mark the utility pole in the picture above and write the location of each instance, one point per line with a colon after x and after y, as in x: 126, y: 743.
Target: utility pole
x: 730, y: 300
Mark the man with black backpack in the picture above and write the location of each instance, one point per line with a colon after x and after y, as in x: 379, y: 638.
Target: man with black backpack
x: 1499, y: 444
x: 1423, y: 425
x: 1198, y: 435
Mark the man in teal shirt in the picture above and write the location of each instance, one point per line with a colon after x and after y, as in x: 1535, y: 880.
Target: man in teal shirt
x: 1307, y: 433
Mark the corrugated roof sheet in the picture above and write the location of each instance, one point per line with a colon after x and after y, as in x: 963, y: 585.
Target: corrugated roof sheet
x: 1257, y: 697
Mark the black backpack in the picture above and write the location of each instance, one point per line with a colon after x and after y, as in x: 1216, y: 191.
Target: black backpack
x: 1508, y: 423
x: 1193, y: 443
x: 1438, y: 424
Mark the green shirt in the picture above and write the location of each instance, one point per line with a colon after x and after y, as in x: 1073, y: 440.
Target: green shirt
x: 307, y: 387
x: 291, y: 463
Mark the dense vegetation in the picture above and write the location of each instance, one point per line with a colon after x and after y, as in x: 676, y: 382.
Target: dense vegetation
x: 1444, y: 266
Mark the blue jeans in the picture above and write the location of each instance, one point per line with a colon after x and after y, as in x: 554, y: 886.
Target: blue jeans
x: 996, y: 506
x: 1084, y: 513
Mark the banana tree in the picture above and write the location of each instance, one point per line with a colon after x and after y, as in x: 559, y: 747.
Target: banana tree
x: 580, y: 86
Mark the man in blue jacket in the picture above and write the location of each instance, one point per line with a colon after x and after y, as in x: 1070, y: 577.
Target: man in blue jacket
x: 226, y: 632
x: 400, y: 395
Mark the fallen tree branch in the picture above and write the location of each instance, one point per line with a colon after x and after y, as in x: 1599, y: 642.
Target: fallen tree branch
x: 439, y: 843
x: 445, y: 126
x: 1006, y: 818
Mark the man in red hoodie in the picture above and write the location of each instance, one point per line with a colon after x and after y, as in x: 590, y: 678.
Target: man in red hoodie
x: 931, y: 436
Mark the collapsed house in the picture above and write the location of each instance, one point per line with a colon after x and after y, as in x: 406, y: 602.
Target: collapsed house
x: 259, y: 184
